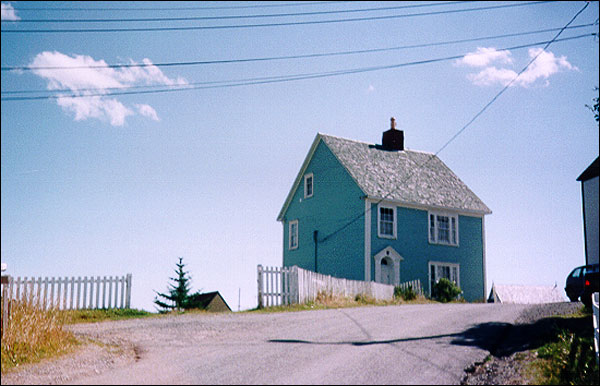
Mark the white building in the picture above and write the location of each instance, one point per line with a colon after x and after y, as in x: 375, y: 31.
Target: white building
x: 589, y: 201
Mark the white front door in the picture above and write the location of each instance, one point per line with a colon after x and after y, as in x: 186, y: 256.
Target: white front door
x: 387, y: 272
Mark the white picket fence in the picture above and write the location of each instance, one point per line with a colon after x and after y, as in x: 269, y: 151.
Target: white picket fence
x: 293, y: 285
x: 69, y: 293
x: 274, y: 288
x: 414, y: 284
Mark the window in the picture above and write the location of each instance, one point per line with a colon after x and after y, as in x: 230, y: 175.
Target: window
x: 443, y: 229
x: 308, y: 185
x: 293, y: 234
x: 386, y: 216
x: 448, y: 271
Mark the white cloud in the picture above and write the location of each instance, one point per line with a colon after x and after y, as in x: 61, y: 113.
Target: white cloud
x: 8, y: 13
x: 492, y: 75
x: 371, y: 88
x: 484, y: 56
x: 545, y: 65
x: 542, y: 68
x: 80, y: 80
x: 147, y: 111
x: 96, y: 107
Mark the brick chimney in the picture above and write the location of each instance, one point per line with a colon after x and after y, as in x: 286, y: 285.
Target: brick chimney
x: 393, y: 139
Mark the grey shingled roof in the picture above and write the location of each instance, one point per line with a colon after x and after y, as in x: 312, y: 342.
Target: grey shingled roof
x: 399, y: 176
x: 526, y: 294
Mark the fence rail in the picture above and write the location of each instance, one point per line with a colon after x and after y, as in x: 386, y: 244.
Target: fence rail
x: 289, y: 285
x: 68, y: 293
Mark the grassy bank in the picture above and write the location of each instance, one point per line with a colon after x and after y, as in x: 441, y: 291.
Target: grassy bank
x: 34, y: 334
x: 92, y: 316
x: 567, y: 355
x: 326, y: 301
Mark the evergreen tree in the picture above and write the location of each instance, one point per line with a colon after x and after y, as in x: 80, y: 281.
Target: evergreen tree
x: 178, y: 295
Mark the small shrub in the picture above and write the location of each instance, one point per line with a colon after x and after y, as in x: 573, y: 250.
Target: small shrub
x: 405, y: 294
x: 364, y: 299
x: 444, y: 290
x: 324, y: 297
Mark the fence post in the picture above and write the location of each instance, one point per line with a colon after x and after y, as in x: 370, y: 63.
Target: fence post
x: 90, y: 304
x: 128, y: 301
x: 6, y: 295
x: 259, y: 280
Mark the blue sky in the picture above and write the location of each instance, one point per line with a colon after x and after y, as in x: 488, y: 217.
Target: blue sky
x: 115, y: 184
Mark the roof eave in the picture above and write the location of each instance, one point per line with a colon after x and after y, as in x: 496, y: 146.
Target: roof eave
x: 433, y: 207
x: 298, y: 179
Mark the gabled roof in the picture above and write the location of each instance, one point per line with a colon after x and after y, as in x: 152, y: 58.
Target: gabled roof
x: 407, y: 177
x: 525, y: 294
x: 203, y: 300
x: 590, y: 172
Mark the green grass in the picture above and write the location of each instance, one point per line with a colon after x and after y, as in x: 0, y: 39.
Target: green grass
x: 567, y: 356
x: 92, y: 316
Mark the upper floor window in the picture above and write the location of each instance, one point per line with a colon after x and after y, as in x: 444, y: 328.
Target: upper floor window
x: 293, y: 234
x: 443, y: 228
x: 386, y: 221
x: 308, y: 185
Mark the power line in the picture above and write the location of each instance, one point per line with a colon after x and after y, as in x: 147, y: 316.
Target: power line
x: 290, y: 4
x: 314, y: 55
x: 229, y: 17
x: 215, y: 27
x: 459, y: 132
x: 274, y: 79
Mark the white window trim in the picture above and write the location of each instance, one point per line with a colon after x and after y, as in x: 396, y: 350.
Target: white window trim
x: 433, y: 239
x: 306, y: 177
x: 451, y: 265
x: 290, y: 246
x: 393, y: 208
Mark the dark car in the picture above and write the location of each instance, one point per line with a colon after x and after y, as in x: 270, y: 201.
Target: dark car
x: 576, y: 282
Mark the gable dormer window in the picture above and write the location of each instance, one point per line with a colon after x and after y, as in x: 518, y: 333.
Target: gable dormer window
x: 443, y: 228
x: 308, y: 185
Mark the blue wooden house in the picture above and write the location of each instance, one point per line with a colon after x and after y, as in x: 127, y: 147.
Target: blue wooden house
x: 384, y: 213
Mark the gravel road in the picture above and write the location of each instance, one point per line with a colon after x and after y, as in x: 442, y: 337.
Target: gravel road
x: 426, y: 344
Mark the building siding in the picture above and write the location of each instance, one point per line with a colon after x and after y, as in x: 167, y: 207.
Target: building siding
x: 412, y: 243
x: 590, y: 209
x: 335, y: 202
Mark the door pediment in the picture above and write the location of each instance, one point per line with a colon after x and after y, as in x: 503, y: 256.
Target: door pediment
x: 388, y: 252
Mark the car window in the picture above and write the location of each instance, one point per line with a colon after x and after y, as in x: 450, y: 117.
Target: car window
x: 576, y: 272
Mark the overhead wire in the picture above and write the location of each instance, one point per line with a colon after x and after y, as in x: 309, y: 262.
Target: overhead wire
x: 275, y: 79
x: 111, y: 9
x: 459, y: 132
x: 281, y: 24
x: 286, y: 57
x: 229, y: 17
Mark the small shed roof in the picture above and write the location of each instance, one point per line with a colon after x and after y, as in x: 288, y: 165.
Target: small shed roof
x: 204, y: 300
x: 526, y: 294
